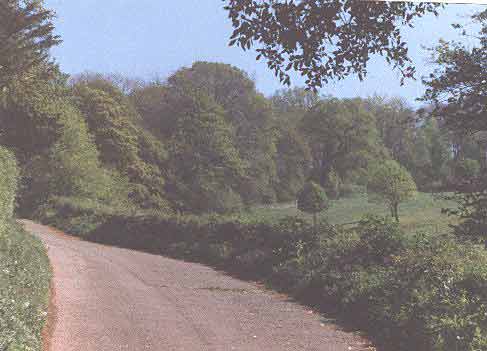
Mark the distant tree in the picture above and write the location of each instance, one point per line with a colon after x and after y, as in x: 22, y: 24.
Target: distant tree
x: 312, y: 199
x: 205, y: 165
x: 247, y: 113
x: 26, y: 35
x: 292, y: 104
x: 293, y: 161
x: 324, y: 40
x: 122, y: 144
x: 390, y: 182
x: 396, y: 125
x: 467, y: 169
x: 342, y: 136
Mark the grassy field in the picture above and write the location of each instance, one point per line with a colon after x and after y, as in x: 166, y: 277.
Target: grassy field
x: 422, y: 213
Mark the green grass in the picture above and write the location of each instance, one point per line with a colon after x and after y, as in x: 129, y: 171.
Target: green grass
x: 422, y: 213
x: 24, y: 290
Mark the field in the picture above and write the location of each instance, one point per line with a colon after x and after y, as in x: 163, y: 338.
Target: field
x: 422, y: 213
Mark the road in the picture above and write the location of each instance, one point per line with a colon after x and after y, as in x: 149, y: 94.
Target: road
x: 107, y: 298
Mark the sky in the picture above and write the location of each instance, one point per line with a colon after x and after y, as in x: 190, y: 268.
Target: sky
x: 154, y: 38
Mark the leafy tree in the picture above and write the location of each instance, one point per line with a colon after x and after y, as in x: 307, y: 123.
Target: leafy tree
x: 123, y: 145
x: 457, y: 88
x: 324, y: 40
x: 26, y: 35
x: 342, y: 137
x: 292, y: 104
x: 293, y: 161
x: 458, y: 91
x: 392, y: 183
x: 206, y: 168
x: 312, y: 199
x: 56, y: 153
x: 247, y: 113
x: 396, y: 125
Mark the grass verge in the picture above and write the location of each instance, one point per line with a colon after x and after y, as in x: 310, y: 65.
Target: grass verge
x: 25, y: 275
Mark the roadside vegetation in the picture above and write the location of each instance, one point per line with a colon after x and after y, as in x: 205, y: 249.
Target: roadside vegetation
x: 204, y: 167
x: 24, y: 272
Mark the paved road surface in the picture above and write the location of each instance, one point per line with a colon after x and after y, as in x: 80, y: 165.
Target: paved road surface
x: 107, y: 298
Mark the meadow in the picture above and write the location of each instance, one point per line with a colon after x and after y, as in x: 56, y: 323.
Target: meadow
x: 423, y: 213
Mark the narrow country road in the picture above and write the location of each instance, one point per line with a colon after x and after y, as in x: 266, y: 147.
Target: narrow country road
x: 108, y: 298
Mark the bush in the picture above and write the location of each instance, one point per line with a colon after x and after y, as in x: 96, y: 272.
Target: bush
x: 312, y: 199
x: 24, y: 290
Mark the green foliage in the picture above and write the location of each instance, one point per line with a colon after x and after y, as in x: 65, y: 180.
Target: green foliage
x: 24, y: 271
x: 342, y: 137
x: 24, y: 290
x: 247, y: 114
x: 461, y: 75
x: 8, y: 186
x: 391, y: 183
x: 124, y: 146
x: 56, y: 153
x: 293, y: 158
x: 323, y: 41
x: 312, y: 198
x: 26, y: 35
x: 467, y: 169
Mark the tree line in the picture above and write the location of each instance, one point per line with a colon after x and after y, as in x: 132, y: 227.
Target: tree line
x: 205, y: 140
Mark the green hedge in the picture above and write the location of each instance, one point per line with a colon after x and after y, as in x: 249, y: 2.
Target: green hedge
x: 24, y: 272
x: 409, y: 292
x: 24, y: 290
x: 8, y: 187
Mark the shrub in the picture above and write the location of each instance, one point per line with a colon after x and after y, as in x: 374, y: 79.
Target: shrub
x: 390, y: 182
x: 24, y: 290
x: 312, y: 199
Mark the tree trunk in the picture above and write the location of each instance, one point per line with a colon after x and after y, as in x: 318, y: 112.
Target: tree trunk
x: 396, y: 212
x: 315, y: 220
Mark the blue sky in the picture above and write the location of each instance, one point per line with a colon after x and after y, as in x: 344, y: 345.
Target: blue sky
x: 148, y: 38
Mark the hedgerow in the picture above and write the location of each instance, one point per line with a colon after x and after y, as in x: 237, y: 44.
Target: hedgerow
x: 24, y: 272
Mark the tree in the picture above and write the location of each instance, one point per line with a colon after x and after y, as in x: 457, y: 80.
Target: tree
x: 206, y: 168
x: 122, y: 144
x: 458, y: 91
x: 392, y: 183
x: 342, y: 137
x: 324, y: 40
x: 396, y: 125
x: 26, y: 35
x: 247, y: 113
x: 293, y: 161
x: 292, y: 104
x: 312, y: 199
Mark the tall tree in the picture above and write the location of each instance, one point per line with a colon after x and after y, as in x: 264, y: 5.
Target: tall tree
x: 342, y: 136
x: 324, y: 40
x: 458, y: 91
x: 248, y: 113
x: 26, y: 35
x: 206, y: 166
x: 122, y: 144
